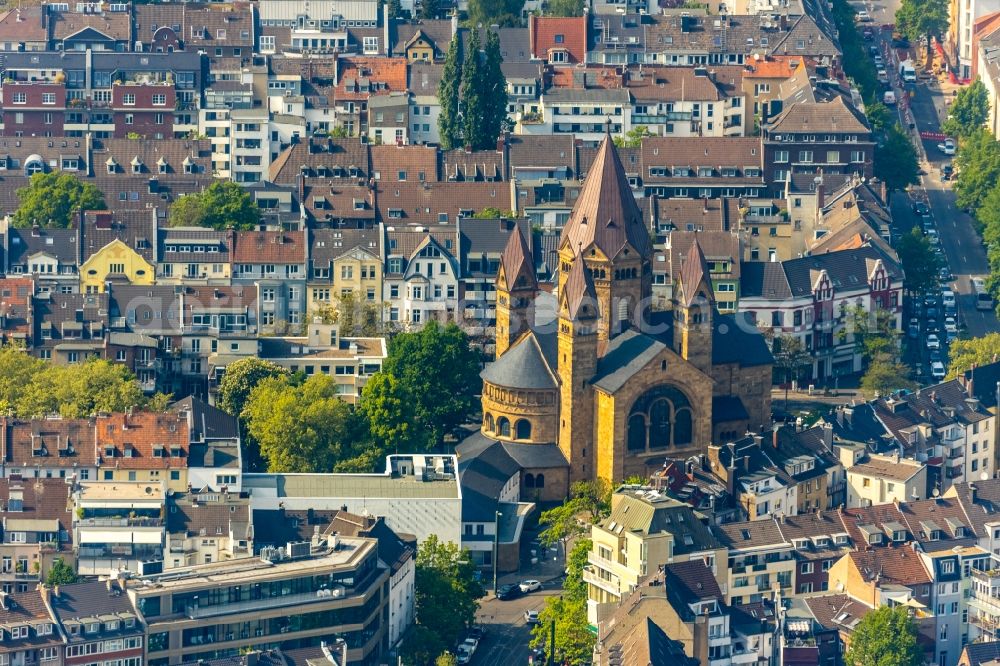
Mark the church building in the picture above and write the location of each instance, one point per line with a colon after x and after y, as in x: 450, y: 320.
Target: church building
x: 611, y: 388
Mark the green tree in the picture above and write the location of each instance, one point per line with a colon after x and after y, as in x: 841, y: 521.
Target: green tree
x: 492, y: 213
x: 60, y: 574
x: 448, y: 94
x: 978, y: 161
x: 494, y: 12
x: 574, y: 640
x: 395, y: 8
x: 790, y: 356
x: 564, y: 8
x: 304, y: 427
x: 495, y: 85
x: 474, y: 101
x: 240, y: 379
x: 446, y: 600
x: 430, y: 9
x: 969, y: 111
x: 896, y: 160
x: 221, y: 205
x: 79, y: 390
x: 857, y: 65
x: 920, y: 264
x: 883, y: 376
x: 426, y: 389
x: 446, y: 659
x: 925, y: 19
x: 974, y: 351
x: 588, y: 499
x: 51, y: 199
x: 886, y: 636
x: 633, y: 138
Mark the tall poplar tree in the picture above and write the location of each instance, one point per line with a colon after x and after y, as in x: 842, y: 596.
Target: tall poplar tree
x: 495, y: 84
x: 474, y: 95
x: 448, y: 96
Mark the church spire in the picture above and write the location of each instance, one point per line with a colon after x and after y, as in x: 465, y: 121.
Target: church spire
x: 579, y: 298
x: 695, y: 277
x: 606, y: 213
x: 517, y: 266
x: 516, y: 289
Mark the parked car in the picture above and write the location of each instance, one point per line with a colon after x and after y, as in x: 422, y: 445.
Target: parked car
x: 530, y: 586
x: 937, y: 370
x: 948, y: 147
x: 477, y: 632
x: 864, y: 16
x: 933, y: 341
x: 508, y: 592
x: 947, y: 171
x: 462, y: 656
x: 531, y: 617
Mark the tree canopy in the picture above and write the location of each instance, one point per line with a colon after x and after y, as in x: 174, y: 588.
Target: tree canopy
x: 978, y: 162
x: 426, y: 389
x: 221, y: 205
x: 973, y: 351
x: 51, y: 199
x: 633, y: 138
x: 886, y: 636
x: 895, y: 160
x: 591, y: 499
x: 240, y: 378
x: 303, y: 427
x: 920, y: 264
x: 448, y: 94
x: 564, y: 8
x: 494, y: 12
x: 32, y: 387
x: 60, y: 573
x: 446, y: 601
x: 925, y: 19
x: 969, y: 111
x: 574, y: 639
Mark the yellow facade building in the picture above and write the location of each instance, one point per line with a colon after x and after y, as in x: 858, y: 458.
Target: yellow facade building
x: 115, y: 262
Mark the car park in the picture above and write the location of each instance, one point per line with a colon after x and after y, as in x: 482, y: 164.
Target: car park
x: 529, y: 586
x: 933, y: 341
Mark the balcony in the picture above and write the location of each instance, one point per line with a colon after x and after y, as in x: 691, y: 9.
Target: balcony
x: 743, y: 655
x: 834, y: 488
x: 336, y: 593
x: 591, y: 576
x: 137, y: 521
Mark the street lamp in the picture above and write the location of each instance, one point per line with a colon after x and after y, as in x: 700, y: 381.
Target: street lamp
x: 496, y: 547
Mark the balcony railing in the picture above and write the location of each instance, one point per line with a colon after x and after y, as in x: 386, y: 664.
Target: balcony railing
x: 136, y: 521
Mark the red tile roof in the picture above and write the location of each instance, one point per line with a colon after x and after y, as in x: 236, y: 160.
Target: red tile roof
x: 57, y: 442
x: 15, y: 309
x: 360, y: 77
x: 548, y: 33
x: 270, y: 247
x: 143, y: 440
x: 900, y: 566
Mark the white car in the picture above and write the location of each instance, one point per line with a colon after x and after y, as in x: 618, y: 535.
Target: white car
x: 879, y: 63
x: 531, y: 617
x: 864, y: 16
x: 937, y: 370
x: 462, y: 656
x: 948, y: 147
x: 933, y: 341
x: 948, y: 299
x: 530, y: 586
x: 950, y: 325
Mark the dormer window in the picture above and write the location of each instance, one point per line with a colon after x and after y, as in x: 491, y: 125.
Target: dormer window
x: 898, y: 536
x: 93, y: 627
x: 874, y: 539
x: 111, y: 626
x: 158, y: 451
x: 129, y: 451
x: 175, y: 451
x: 109, y: 452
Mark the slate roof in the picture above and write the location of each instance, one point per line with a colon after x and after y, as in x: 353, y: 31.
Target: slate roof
x: 331, y: 244
x: 552, y: 151
x: 93, y: 599
x: 195, y: 238
x: 483, y: 477
x: 60, y: 243
x: 691, y: 582
x: 523, y: 366
x: 847, y: 270
x: 528, y: 456
x: 200, y: 24
x: 983, y: 380
x: 606, y: 214
x: 975, y: 654
x: 736, y: 339
x: 437, y: 31
x: 26, y: 608
x: 134, y: 228
x: 643, y: 511
x: 348, y: 154
x: 207, y: 421
x: 627, y: 353
x: 424, y: 78
x: 465, y: 165
x: 832, y: 116
x: 837, y: 612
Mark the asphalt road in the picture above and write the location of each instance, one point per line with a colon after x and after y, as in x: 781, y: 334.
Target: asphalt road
x: 507, y: 635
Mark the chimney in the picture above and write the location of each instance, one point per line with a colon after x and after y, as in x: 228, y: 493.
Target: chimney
x: 699, y: 641
x: 783, y: 22
x: 746, y: 463
x: 972, y: 492
x: 774, y: 437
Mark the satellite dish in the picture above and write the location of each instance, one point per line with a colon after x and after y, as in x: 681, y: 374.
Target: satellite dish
x: 936, y: 492
x: 984, y: 476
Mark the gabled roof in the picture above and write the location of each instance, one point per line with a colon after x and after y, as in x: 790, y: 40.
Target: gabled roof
x: 832, y: 116
x: 548, y: 33
x: 259, y: 247
x: 606, y: 214
x: 902, y: 566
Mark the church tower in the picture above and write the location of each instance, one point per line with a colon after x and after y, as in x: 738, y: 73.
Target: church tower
x: 606, y: 230
x: 694, y: 303
x: 577, y: 348
x: 516, y: 289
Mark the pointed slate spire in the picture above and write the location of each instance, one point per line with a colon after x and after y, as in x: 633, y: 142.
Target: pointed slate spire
x: 694, y: 275
x: 517, y: 263
x: 580, y: 296
x: 606, y: 213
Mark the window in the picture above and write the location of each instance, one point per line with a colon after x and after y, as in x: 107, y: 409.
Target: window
x: 159, y: 99
x: 128, y: 99
x: 780, y: 156
x: 48, y: 98
x: 20, y: 98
